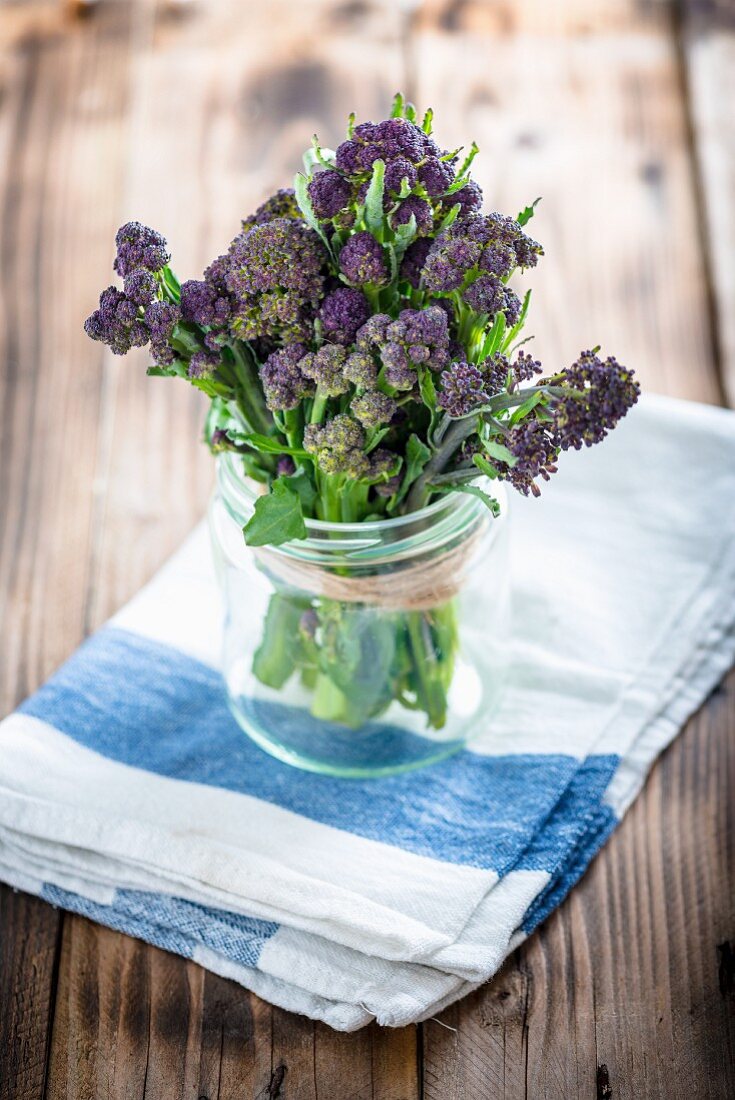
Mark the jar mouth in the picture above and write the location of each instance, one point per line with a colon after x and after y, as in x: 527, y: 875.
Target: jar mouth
x: 451, y: 518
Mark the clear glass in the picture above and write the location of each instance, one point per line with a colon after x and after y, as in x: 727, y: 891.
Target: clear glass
x: 365, y: 649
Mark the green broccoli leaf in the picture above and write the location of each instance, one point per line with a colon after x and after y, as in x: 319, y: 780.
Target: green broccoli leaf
x: 499, y: 451
x: 427, y: 121
x: 317, y: 155
x: 494, y: 338
x: 170, y: 284
x: 484, y: 466
x: 302, y: 484
x: 528, y: 405
x: 163, y: 372
x: 528, y: 211
x: 269, y: 446
x: 404, y: 235
x: 300, y: 186
x: 374, y: 199
x: 396, y: 110
x: 427, y: 389
x: 417, y: 455
x: 465, y: 165
x: 450, y: 217
x: 278, y: 517
x: 476, y: 491
x: 515, y: 331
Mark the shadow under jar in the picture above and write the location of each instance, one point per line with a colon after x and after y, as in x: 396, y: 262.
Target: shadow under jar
x: 367, y: 648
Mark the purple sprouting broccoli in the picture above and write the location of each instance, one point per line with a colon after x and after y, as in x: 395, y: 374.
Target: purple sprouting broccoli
x: 139, y: 246
x: 415, y: 168
x: 535, y: 449
x: 500, y: 374
x: 275, y: 275
x: 449, y: 262
x: 468, y: 197
x: 414, y: 259
x: 330, y: 193
x: 436, y: 176
x: 283, y: 383
x: 117, y: 323
x: 417, y: 208
x: 204, y: 303
x: 361, y: 369
x: 140, y: 286
x: 373, y: 408
x: 161, y: 319
x: 480, y: 249
x: 600, y: 395
x: 325, y: 368
x: 203, y: 363
x: 384, y: 465
x: 280, y: 205
x: 390, y: 140
x: 463, y: 389
x: 525, y: 367
x: 285, y: 466
x: 488, y: 294
x: 338, y: 446
x: 342, y: 313
x: 398, y: 174
x: 362, y: 262
x: 416, y: 336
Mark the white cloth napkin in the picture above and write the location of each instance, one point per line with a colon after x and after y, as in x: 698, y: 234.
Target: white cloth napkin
x: 129, y: 794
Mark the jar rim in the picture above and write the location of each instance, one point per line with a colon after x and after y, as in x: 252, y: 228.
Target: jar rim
x: 452, y: 516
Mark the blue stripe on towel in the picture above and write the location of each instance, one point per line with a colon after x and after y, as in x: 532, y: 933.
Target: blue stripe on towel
x: 601, y: 824
x: 172, y: 923
x: 150, y: 706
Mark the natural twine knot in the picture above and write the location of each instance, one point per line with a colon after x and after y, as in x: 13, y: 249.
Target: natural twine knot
x: 404, y: 586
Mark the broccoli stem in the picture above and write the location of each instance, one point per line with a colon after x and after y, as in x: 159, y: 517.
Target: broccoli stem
x: 293, y: 427
x: 453, y: 437
x: 318, y: 407
x: 249, y: 391
x: 429, y: 673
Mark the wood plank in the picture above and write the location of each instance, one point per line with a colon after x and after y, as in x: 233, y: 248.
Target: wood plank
x: 120, y: 473
x: 258, y: 84
x: 628, y: 986
x: 708, y: 45
x: 62, y: 105
x: 29, y: 937
x: 584, y: 105
x: 133, y: 1021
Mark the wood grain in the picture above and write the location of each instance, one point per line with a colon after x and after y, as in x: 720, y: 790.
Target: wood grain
x: 600, y: 128
x: 708, y: 46
x: 29, y: 939
x: 186, y: 119
x: 587, y: 112
x: 634, y: 973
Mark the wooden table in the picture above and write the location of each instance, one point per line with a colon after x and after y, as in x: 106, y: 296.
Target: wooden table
x: 620, y: 114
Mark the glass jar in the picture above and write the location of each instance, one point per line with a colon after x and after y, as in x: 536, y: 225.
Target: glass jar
x: 366, y: 648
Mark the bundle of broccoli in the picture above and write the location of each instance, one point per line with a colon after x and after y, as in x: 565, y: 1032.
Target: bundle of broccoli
x: 359, y: 343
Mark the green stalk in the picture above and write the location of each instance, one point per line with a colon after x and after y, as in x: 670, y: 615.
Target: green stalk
x: 430, y: 689
x: 250, y: 392
x: 354, y: 501
x: 317, y: 409
x: 293, y: 427
x: 452, y: 439
x: 329, y: 503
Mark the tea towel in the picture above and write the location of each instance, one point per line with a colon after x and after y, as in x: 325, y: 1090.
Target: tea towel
x: 129, y: 794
